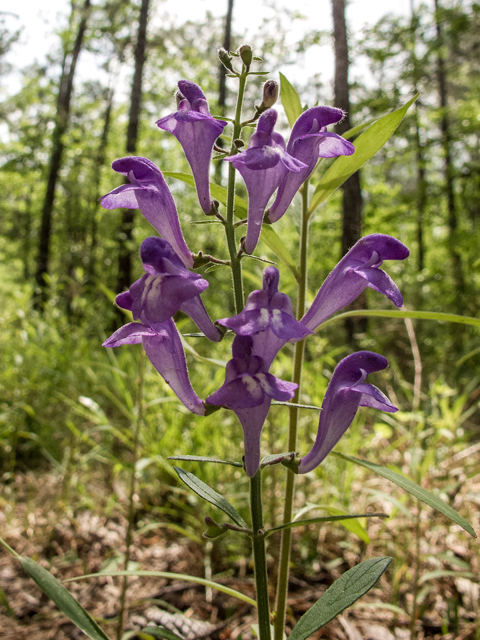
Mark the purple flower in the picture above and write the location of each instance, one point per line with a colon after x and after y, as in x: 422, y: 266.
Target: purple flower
x: 167, y: 287
x: 308, y: 142
x: 149, y: 192
x: 196, y: 130
x: 346, y: 392
x: 263, y: 166
x: 164, y: 349
x: 248, y: 390
x: 268, y: 318
x: 358, y: 269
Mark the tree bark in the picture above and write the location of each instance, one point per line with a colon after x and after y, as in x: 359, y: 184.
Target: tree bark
x: 227, y: 45
x: 61, y: 124
x: 222, y: 83
x: 352, y: 194
x: 421, y: 187
x: 128, y: 215
x: 457, y: 270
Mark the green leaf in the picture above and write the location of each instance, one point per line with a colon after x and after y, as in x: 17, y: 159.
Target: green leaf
x: 421, y: 315
x: 63, y: 599
x: 205, y: 459
x: 290, y: 100
x: 170, y: 576
x: 271, y: 238
x: 414, y: 489
x: 343, y: 592
x: 210, y: 495
x: 359, y: 531
x: 352, y: 523
x: 161, y: 632
x: 268, y: 235
x: 366, y: 146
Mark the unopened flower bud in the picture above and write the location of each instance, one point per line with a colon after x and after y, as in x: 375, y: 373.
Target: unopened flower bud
x: 270, y: 93
x: 245, y: 53
x: 225, y: 58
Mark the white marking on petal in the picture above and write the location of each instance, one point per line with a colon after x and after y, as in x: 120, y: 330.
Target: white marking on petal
x: 277, y: 322
x: 264, y: 317
x: 152, y: 290
x: 262, y: 379
x: 253, y: 388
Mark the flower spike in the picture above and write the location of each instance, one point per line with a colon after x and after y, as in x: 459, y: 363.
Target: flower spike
x: 164, y: 349
x: 346, y: 392
x: 263, y: 166
x: 167, y: 287
x: 358, y: 269
x: 149, y: 192
x: 196, y: 130
x: 248, y: 390
x: 308, y: 142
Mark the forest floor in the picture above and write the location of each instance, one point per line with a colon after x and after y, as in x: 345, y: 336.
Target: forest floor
x: 35, y: 521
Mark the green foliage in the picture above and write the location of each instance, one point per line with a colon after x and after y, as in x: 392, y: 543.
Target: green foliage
x: 344, y: 592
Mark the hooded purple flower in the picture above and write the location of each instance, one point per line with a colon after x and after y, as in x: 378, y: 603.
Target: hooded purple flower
x: 263, y: 166
x: 248, y: 390
x: 196, y: 130
x: 346, y: 392
x: 308, y: 142
x: 268, y: 318
x: 149, y: 192
x: 358, y: 269
x: 167, y: 287
x: 164, y: 349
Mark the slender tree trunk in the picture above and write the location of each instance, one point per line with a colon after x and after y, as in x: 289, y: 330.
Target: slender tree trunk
x: 222, y: 84
x: 99, y: 164
x: 421, y: 187
x: 61, y: 124
x: 352, y: 194
x: 457, y: 270
x: 128, y: 215
x: 227, y: 45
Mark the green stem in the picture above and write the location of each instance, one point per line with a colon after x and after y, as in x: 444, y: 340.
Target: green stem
x: 131, y: 503
x: 259, y: 556
x: 235, y: 261
x: 285, y: 547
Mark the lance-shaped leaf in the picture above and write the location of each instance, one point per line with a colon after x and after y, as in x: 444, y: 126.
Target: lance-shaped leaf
x: 63, y: 599
x: 290, y: 100
x: 417, y: 491
x: 366, y: 146
x: 343, y: 592
x: 210, y: 495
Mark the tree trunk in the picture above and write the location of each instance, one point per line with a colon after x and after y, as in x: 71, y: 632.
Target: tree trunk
x: 457, y: 271
x: 61, y: 124
x: 99, y: 164
x: 421, y: 187
x: 128, y: 215
x: 352, y: 194
x: 227, y: 45
x: 222, y: 84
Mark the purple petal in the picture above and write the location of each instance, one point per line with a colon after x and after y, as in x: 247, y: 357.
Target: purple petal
x: 132, y: 333
x: 333, y: 145
x: 165, y: 352
x: 252, y: 421
x: 353, y: 274
x: 154, y: 200
x: 196, y: 130
x: 314, y: 119
x: 345, y: 392
x: 197, y: 312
